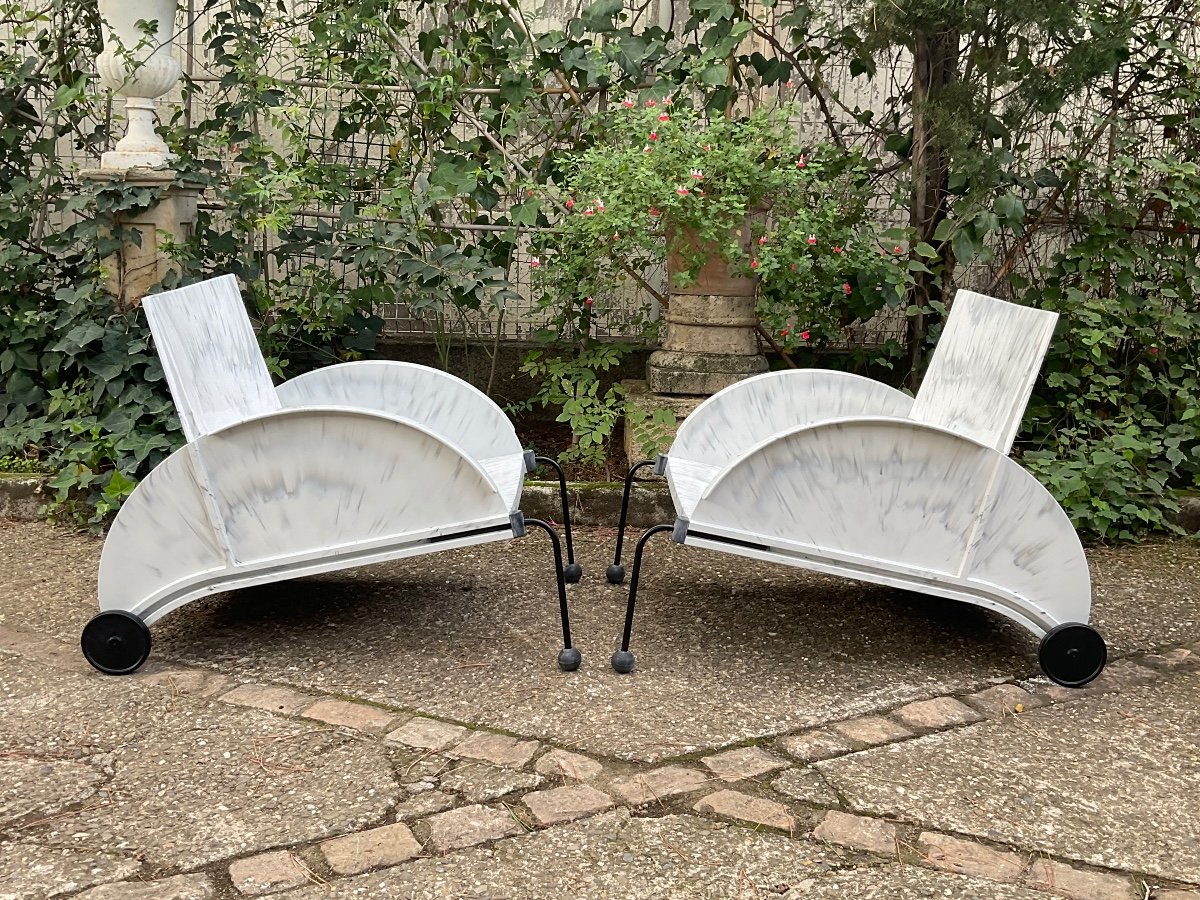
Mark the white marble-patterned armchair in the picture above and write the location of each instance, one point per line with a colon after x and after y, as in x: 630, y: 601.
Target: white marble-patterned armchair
x: 349, y: 465
x: 843, y: 475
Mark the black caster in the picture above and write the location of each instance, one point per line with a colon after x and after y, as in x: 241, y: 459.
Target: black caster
x: 622, y: 662
x: 615, y: 574
x: 569, y: 659
x: 1072, y: 654
x: 572, y: 573
x: 115, y: 642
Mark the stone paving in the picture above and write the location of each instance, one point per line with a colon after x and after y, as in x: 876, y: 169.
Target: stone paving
x: 402, y: 731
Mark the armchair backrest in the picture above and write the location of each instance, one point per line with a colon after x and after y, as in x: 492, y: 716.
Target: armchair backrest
x: 982, y: 372
x: 210, y: 355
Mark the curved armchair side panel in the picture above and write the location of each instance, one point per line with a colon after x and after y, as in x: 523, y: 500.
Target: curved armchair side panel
x: 894, y: 496
x: 744, y: 414
x: 297, y: 490
x: 164, y: 533
x: 446, y: 405
x: 324, y: 478
x: 1026, y: 542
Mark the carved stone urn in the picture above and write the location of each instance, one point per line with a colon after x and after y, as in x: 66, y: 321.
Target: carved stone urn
x: 139, y: 64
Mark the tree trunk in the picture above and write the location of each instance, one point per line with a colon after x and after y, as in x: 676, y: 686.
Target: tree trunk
x: 935, y: 65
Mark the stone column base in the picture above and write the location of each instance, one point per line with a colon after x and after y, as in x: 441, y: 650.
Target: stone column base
x: 132, y: 272
x: 643, y: 438
x: 702, y: 374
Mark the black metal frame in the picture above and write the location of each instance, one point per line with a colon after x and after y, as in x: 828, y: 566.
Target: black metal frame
x: 623, y: 659
x: 569, y: 657
x: 573, y: 571
x: 616, y: 572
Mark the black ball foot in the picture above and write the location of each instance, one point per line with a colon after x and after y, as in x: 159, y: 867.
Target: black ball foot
x: 615, y: 573
x: 1072, y: 654
x: 569, y: 659
x: 622, y: 662
x: 116, y: 642
x: 572, y: 573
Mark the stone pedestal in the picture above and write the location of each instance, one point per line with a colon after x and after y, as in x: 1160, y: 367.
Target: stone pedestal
x: 710, y: 341
x: 142, y: 263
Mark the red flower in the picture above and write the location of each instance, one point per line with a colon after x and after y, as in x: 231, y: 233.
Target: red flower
x: 804, y: 335
x: 587, y: 302
x: 655, y: 212
x: 812, y: 238
x: 837, y: 249
x: 570, y: 203
x: 663, y: 117
x: 896, y: 250
x: 762, y: 240
x: 785, y: 332
x: 1154, y: 351
x: 754, y: 263
x: 654, y: 135
x: 846, y: 289
x: 652, y: 103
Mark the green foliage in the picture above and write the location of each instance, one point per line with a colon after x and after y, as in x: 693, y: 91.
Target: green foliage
x: 1118, y: 421
x: 574, y: 385
x: 659, y: 180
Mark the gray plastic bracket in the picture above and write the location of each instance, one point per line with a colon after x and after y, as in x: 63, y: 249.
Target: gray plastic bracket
x: 517, y: 520
x: 679, y: 532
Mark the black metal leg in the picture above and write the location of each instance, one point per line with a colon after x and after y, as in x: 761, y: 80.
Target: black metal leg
x: 616, y: 572
x: 622, y: 660
x: 569, y: 658
x: 573, y: 571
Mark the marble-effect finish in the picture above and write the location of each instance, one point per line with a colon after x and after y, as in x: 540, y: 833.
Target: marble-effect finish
x: 210, y: 356
x: 843, y: 475
x: 982, y: 373
x: 354, y: 464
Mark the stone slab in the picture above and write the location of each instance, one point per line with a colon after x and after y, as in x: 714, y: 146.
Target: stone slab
x: 743, y: 808
x: 815, y: 745
x: 743, y: 763
x: 565, y: 804
x: 427, y: 734
x: 269, y: 697
x: 939, y: 712
x: 658, y: 784
x: 567, y: 765
x: 181, y: 887
x: 872, y: 730
x: 857, y: 833
x: 480, y: 783
x: 468, y: 826
x: 1108, y: 780
x: 942, y: 851
x: 389, y: 845
x: 358, y: 716
x: 497, y: 749
x: 1076, y: 884
x: 267, y: 873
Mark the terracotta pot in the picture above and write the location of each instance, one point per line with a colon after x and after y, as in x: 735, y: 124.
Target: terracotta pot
x: 714, y: 278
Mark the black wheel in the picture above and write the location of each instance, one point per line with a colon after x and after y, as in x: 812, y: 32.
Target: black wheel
x: 572, y: 573
x: 1072, y: 654
x: 622, y: 662
x: 116, y: 643
x: 615, y: 574
x: 569, y: 659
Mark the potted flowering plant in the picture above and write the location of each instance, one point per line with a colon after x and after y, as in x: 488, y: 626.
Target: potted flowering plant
x: 729, y: 205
